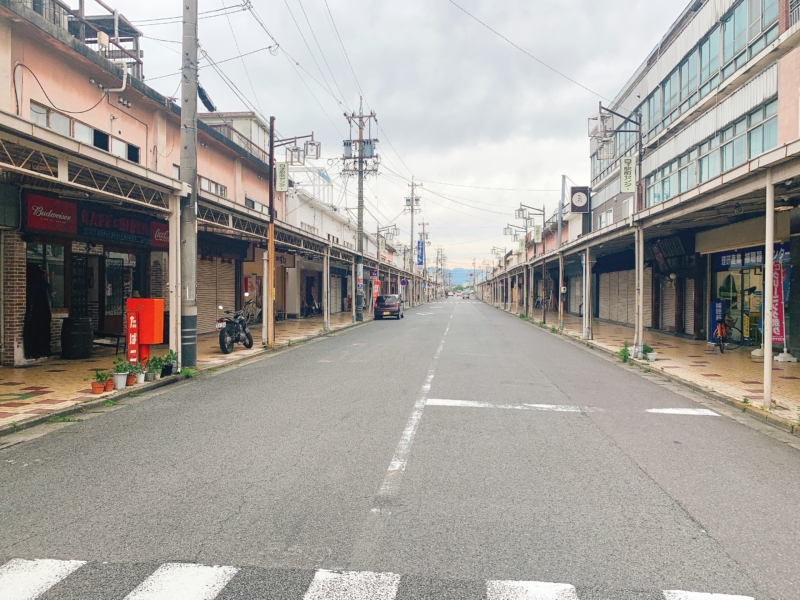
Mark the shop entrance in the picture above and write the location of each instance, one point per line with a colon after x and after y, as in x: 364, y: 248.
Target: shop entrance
x: 742, y: 292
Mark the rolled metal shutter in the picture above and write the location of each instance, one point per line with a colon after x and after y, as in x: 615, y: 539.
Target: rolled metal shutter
x: 206, y: 295
x: 604, y: 296
x: 632, y: 297
x: 336, y: 294
x: 688, y: 307
x: 226, y: 284
x: 647, y: 290
x: 668, y: 305
x: 575, y: 294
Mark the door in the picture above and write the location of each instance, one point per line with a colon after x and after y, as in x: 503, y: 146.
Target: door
x: 114, y: 296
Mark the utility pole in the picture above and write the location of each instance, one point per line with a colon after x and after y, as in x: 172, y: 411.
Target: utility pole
x: 412, y: 203
x: 424, y: 240
x: 366, y: 162
x: 188, y: 168
x: 269, y: 311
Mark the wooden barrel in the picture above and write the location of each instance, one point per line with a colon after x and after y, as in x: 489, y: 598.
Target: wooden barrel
x: 76, y: 338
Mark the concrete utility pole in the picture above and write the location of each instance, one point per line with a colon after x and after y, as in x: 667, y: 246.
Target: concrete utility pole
x: 425, y: 259
x: 361, y: 169
x: 188, y: 167
x: 413, y: 207
x: 269, y: 274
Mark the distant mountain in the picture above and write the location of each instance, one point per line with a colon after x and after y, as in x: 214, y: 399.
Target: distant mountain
x: 461, y: 276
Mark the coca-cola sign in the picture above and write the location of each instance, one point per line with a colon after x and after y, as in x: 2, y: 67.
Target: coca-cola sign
x: 159, y: 234
x: 51, y: 214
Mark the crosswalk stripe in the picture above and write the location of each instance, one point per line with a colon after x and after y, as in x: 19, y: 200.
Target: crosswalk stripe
x: 28, y: 579
x: 183, y: 581
x: 679, y: 595
x: 352, y: 585
x: 529, y: 590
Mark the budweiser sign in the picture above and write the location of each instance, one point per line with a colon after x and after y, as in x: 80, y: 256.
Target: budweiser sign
x: 51, y: 214
x: 159, y: 234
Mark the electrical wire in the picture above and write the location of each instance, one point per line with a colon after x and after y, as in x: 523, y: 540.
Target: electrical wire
x: 64, y: 110
x: 541, y: 62
x: 239, y: 50
x: 478, y: 187
x: 219, y: 62
x: 314, y: 58
x: 179, y: 19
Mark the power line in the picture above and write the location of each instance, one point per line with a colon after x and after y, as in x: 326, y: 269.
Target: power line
x: 239, y: 50
x: 219, y: 62
x: 478, y: 187
x: 314, y: 58
x: 541, y: 62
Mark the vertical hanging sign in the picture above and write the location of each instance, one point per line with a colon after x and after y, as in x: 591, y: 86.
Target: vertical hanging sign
x: 132, y: 334
x: 281, y: 177
x: 627, y: 175
x: 420, y: 252
x: 778, y: 331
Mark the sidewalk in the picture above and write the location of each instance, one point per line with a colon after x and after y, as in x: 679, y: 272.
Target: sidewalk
x: 58, y: 384
x: 733, y: 374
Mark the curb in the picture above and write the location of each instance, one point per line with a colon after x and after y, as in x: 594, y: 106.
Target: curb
x: 154, y: 385
x: 751, y: 410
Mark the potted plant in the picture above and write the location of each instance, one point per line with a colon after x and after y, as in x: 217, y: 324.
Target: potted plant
x: 137, y: 372
x: 99, y: 383
x: 170, y: 363
x: 109, y: 382
x: 154, y: 367
x: 121, y: 372
x: 648, y: 352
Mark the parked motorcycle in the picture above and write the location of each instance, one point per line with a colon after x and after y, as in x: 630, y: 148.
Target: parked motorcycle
x: 234, y: 329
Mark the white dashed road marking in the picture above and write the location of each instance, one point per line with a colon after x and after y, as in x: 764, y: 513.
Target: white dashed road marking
x: 703, y: 412
x: 679, y: 595
x: 182, y: 581
x: 28, y: 579
x: 474, y: 404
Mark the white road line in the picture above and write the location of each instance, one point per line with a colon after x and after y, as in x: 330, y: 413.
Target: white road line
x: 183, y: 581
x: 529, y: 590
x: 397, y: 465
x: 679, y: 595
x: 352, y: 585
x: 28, y: 579
x: 683, y: 411
x: 474, y: 404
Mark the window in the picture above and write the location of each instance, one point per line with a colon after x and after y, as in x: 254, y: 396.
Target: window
x: 119, y: 148
x: 213, y: 187
x: 734, y: 37
x: 654, y: 110
x: 308, y: 228
x: 734, y: 149
x: 609, y: 216
x: 763, y: 134
x: 709, y: 56
x: 83, y: 133
x: 687, y: 176
x: 50, y: 259
x: 709, y: 160
x: 626, y: 208
x: 60, y: 124
x: 176, y: 172
x: 670, y: 93
x: 39, y: 114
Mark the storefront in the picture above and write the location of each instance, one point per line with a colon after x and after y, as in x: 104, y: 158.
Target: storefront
x: 219, y: 267
x: 88, y: 258
x: 737, y: 290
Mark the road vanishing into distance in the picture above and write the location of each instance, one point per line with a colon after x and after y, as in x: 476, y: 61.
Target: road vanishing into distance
x: 460, y: 453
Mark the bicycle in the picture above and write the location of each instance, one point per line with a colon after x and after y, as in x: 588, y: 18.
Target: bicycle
x: 725, y: 335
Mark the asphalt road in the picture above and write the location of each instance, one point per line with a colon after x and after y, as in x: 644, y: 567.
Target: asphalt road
x: 452, y: 454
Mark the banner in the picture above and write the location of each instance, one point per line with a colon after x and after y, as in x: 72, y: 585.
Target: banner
x: 376, y: 291
x: 420, y: 252
x: 778, y: 329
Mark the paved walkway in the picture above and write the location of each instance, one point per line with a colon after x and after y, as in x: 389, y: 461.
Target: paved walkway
x: 734, y: 374
x: 57, y: 384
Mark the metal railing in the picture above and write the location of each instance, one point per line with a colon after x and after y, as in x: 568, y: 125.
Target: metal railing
x: 241, y: 140
x: 794, y: 12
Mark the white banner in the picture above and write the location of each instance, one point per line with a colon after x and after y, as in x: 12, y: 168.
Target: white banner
x: 281, y: 177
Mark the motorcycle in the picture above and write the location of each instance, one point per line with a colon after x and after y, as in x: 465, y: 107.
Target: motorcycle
x: 234, y: 329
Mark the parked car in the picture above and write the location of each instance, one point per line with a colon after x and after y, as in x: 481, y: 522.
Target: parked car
x: 449, y: 294
x: 388, y: 306
x: 465, y: 296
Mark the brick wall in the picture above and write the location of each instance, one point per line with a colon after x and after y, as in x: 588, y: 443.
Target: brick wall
x: 14, y: 297
x: 783, y: 16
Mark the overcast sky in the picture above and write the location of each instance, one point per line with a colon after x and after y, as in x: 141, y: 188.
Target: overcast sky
x: 457, y: 104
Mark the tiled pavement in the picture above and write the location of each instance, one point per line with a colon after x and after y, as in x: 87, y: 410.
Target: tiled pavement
x: 56, y: 384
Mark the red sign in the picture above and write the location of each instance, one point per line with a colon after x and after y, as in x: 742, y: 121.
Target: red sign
x: 376, y: 291
x: 50, y: 214
x: 159, y: 234
x: 132, y: 333
x: 777, y: 304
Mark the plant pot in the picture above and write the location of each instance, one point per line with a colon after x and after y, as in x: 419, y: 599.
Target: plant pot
x: 98, y: 387
x: 158, y: 376
x: 109, y: 385
x: 149, y: 376
x: 651, y: 356
x: 130, y: 380
x: 166, y: 371
x: 120, y: 381
x: 140, y: 377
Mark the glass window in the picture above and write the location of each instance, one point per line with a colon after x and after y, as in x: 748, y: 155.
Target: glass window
x: 39, y: 114
x: 770, y: 14
x: 60, y: 124
x: 176, y: 172
x: 83, y: 133
x: 671, y: 93
x: 709, y: 166
x: 119, y: 148
x: 734, y: 36
x: 688, y: 177
x: 709, y: 56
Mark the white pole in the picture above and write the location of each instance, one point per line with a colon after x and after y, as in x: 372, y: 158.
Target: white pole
x: 769, y: 249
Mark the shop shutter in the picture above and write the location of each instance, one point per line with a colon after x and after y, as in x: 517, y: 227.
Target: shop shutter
x: 336, y: 294
x: 632, y: 297
x: 575, y: 294
x: 688, y: 307
x: 206, y: 295
x: 226, y: 284
x: 603, y: 295
x: 668, y: 305
x: 613, y: 296
x: 647, y: 290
